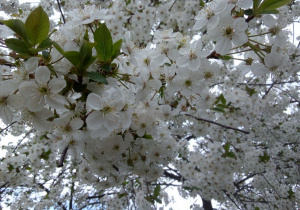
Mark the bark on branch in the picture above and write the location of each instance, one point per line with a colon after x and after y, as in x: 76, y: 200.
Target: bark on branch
x: 219, y: 124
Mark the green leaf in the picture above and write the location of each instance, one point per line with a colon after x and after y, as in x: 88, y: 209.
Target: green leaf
x: 264, y: 158
x: 17, y: 45
x: 256, y: 4
x: 147, y: 136
x: 268, y: 11
x: 225, y: 57
x: 104, y: 44
x: 248, y: 12
x: 150, y: 199
x: 122, y: 195
x: 10, y: 167
x: 250, y: 91
x: 45, y: 155
x: 158, y: 200
x: 226, y: 147
x: 116, y: 49
x: 272, y: 4
x: 18, y: 27
x: 74, y: 57
x: 46, y: 43
x: 97, y: 77
x: 37, y: 25
x: 156, y: 191
x: 218, y: 109
x: 86, y: 54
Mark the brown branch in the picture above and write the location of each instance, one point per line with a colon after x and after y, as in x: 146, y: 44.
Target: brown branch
x: 22, y: 140
x: 268, y: 84
x: 62, y: 14
x: 178, y: 178
x: 269, y: 89
x: 7, y: 126
x: 250, y: 18
x: 207, y: 204
x: 60, y: 204
x: 219, y: 124
x: 62, y: 157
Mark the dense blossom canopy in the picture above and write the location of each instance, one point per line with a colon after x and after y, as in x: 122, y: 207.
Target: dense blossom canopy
x: 120, y: 100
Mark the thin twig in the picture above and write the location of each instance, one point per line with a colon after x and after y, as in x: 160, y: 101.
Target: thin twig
x: 268, y: 84
x: 22, y: 140
x: 269, y: 90
x: 8, y: 126
x: 219, y: 124
x: 62, y: 14
x: 62, y: 157
x: 172, y: 6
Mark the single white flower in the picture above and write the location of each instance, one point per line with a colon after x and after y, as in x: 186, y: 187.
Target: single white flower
x: 229, y: 32
x: 43, y: 91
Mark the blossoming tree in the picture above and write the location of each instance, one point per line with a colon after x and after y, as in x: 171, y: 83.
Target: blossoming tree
x: 120, y: 100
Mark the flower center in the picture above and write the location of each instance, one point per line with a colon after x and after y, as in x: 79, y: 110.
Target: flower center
x: 208, y: 75
x: 229, y: 32
x: 193, y: 56
x: 43, y: 90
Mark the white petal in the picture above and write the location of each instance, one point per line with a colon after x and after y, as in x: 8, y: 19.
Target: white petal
x: 55, y: 101
x: 223, y: 46
x: 31, y: 64
x: 57, y: 84
x: 212, y: 22
x: 182, y: 61
x: 272, y: 59
x: 259, y: 69
x: 194, y: 64
x: 95, y: 120
x: 239, y: 39
x: 269, y: 21
x: 28, y: 88
x: 35, y: 103
x: 201, y: 21
x: 94, y: 101
x: 43, y: 114
x: 42, y: 75
x: 101, y: 132
x: 6, y: 114
x: 76, y: 123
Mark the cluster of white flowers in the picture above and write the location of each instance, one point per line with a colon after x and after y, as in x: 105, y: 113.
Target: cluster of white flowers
x: 171, y: 103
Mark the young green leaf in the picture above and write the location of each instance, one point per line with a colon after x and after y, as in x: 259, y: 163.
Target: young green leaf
x: 17, y: 45
x: 156, y: 191
x: 86, y: 54
x: 97, y: 77
x: 37, y: 26
x: 73, y: 56
x: 256, y: 4
x: 272, y: 4
x: 116, y: 49
x: 104, y: 44
x: 46, y: 43
x: 18, y: 27
x: 268, y: 11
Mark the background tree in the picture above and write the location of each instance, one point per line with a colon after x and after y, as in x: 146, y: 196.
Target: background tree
x: 120, y: 100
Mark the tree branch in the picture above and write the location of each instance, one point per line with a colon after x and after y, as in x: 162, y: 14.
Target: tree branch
x: 7, y: 126
x: 62, y: 14
x: 178, y: 178
x: 207, y: 204
x: 62, y: 157
x: 219, y: 124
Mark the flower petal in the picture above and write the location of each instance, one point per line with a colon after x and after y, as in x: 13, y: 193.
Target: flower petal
x: 57, y: 84
x: 94, y: 101
x: 42, y: 75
